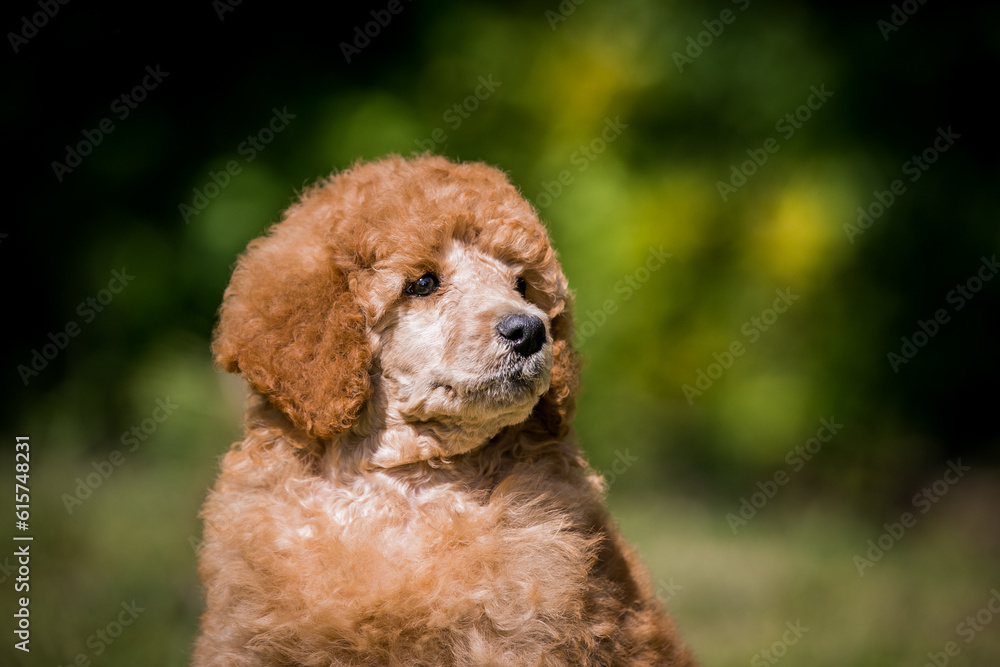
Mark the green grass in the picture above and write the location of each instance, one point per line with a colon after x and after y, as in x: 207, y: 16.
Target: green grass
x: 132, y: 540
x: 797, y: 564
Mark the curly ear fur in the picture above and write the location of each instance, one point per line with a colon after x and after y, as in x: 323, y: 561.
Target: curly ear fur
x: 555, y: 408
x: 289, y: 324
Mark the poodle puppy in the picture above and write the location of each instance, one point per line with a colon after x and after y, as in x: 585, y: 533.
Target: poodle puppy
x: 408, y: 491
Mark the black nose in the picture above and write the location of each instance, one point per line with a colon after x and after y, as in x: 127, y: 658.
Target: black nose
x: 526, y: 333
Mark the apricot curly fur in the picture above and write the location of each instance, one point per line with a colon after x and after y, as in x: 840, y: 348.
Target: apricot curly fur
x: 378, y: 511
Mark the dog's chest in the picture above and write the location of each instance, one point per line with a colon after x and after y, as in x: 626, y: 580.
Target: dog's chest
x: 435, y: 561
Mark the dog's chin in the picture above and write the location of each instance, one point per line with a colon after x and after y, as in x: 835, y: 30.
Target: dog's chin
x: 508, y: 394
x: 509, y: 390
x: 449, y: 416
x: 514, y: 387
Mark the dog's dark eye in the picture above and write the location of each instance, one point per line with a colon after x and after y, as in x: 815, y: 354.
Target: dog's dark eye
x: 521, y: 285
x: 425, y: 285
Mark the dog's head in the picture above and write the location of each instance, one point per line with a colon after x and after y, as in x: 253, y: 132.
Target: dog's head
x: 405, y: 301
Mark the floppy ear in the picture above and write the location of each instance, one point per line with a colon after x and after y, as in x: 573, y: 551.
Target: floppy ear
x: 290, y: 325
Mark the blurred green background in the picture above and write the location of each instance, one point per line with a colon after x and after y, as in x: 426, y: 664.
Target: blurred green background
x: 618, y: 121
